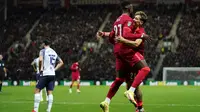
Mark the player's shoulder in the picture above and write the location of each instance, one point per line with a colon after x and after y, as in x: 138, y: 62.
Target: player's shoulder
x: 42, y: 50
x: 53, y: 51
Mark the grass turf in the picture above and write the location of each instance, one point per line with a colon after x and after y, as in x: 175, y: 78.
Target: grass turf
x: 156, y: 99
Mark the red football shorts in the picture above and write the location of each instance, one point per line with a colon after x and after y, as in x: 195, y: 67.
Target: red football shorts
x: 120, y: 64
x: 124, y: 62
x: 76, y: 77
x: 133, y: 59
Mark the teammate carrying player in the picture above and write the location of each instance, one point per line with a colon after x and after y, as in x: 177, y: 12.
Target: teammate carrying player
x: 135, y: 56
x: 75, y: 76
x: 35, y: 64
x: 121, y: 26
x: 47, y: 60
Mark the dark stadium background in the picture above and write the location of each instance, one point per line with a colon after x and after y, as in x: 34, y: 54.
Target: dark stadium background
x: 72, y: 24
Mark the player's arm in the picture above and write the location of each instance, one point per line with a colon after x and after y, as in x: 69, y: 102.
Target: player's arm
x: 41, y: 60
x: 102, y: 34
x: 127, y: 31
x: 60, y: 63
x: 33, y: 65
x: 129, y: 35
x: 135, y: 43
x: 5, y: 71
x: 109, y: 35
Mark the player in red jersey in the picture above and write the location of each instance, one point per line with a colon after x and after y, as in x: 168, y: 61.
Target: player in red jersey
x: 120, y: 27
x: 135, y: 56
x: 75, y: 76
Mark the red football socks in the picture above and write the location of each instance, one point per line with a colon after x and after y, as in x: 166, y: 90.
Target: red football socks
x: 114, y: 87
x: 140, y: 76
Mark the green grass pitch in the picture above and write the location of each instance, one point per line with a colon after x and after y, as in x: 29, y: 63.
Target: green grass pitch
x: 156, y: 99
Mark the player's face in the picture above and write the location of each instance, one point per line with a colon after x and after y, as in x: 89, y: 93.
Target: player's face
x: 137, y: 20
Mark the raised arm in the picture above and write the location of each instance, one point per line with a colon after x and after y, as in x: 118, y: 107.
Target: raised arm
x: 109, y: 35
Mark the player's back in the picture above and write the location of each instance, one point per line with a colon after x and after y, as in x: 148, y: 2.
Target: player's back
x: 118, y: 28
x: 49, y: 61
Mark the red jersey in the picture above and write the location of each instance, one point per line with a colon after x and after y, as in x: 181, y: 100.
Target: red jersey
x: 140, y: 48
x: 119, y: 29
x: 128, y: 50
x: 75, y: 69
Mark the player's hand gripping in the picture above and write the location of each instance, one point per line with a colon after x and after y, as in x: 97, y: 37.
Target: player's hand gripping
x: 119, y: 39
x: 146, y: 37
x: 100, y: 34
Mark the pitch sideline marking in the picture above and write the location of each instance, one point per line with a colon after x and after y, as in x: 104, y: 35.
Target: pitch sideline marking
x: 88, y: 103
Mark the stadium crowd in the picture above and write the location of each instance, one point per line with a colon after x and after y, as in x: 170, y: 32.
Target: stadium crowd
x: 70, y: 29
x: 187, y: 52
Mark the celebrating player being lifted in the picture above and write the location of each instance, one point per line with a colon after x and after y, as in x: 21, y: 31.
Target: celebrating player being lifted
x: 127, y: 27
x: 47, y: 59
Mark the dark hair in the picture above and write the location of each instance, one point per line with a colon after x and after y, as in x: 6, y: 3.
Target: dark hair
x: 143, y: 15
x: 46, y: 42
x: 125, y: 5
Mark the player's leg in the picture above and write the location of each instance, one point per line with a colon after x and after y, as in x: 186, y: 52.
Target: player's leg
x: 1, y: 81
x: 116, y: 84
x: 112, y: 91
x: 37, y: 76
x: 46, y: 94
x: 138, y: 92
x: 41, y: 97
x: 78, y: 85
x: 138, y: 97
x: 40, y: 85
x: 139, y: 64
x: 143, y: 71
x: 50, y: 88
x: 0, y: 85
x: 120, y: 77
x: 71, y: 85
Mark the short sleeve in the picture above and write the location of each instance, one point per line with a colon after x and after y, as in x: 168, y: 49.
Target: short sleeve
x: 41, y: 52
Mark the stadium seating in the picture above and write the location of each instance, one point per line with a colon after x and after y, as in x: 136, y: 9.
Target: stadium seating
x: 69, y: 29
x: 187, y: 53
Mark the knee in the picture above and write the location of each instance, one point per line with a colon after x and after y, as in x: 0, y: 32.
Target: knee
x: 37, y: 97
x: 50, y: 97
x: 120, y: 80
x: 146, y: 69
x: 37, y: 91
